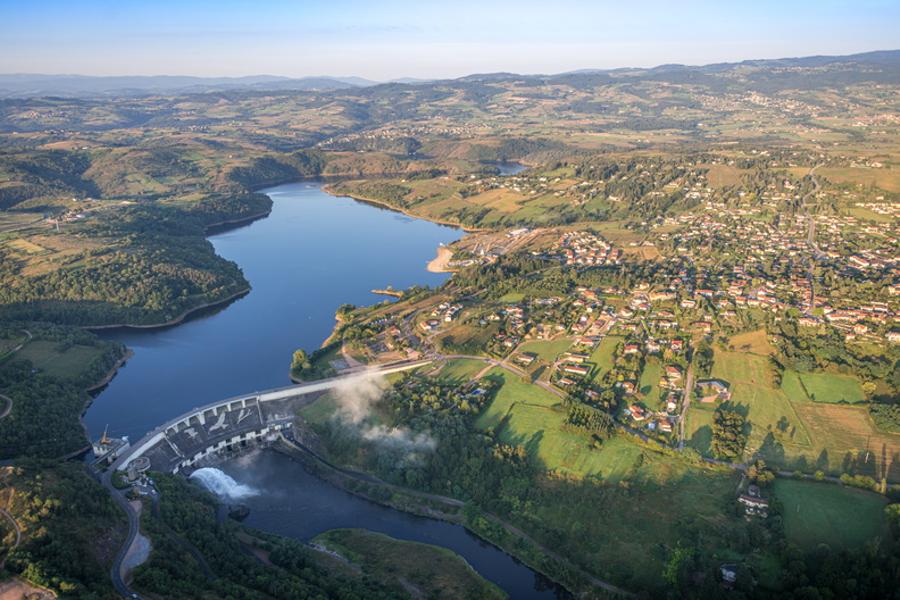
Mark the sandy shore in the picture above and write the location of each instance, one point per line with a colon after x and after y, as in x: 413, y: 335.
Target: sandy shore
x: 440, y: 263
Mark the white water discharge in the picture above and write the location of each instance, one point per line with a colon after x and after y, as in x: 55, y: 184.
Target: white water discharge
x: 222, y: 485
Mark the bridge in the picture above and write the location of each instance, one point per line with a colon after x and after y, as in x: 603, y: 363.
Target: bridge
x: 227, y: 424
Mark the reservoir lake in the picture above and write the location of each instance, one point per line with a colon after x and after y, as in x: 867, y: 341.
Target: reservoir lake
x: 313, y: 253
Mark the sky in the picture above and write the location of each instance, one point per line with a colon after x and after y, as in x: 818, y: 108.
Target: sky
x: 387, y: 39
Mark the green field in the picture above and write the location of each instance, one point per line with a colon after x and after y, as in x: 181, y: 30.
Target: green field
x: 57, y: 360
x: 754, y: 392
x: 547, y: 350
x: 649, y: 383
x: 421, y: 570
x: 831, y: 388
x: 511, y: 297
x: 698, y: 428
x: 461, y: 370
x: 513, y: 390
x: 618, y: 532
x: 816, y: 513
x: 602, y: 356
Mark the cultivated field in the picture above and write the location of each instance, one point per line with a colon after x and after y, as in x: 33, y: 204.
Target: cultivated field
x: 512, y: 391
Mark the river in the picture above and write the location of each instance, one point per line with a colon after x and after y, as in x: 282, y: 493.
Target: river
x: 313, y: 253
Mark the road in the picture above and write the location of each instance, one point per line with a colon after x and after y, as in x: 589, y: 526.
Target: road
x: 685, y: 404
x: 18, y: 531
x: 115, y: 572
x: 8, y: 407
x: 9, y: 402
x: 811, y: 239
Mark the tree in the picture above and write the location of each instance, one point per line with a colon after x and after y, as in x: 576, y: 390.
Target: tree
x: 678, y: 567
x: 728, y: 433
x: 892, y: 514
x: 758, y: 473
x: 300, y: 361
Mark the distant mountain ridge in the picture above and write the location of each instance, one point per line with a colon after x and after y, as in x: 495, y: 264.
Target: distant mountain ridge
x: 25, y: 85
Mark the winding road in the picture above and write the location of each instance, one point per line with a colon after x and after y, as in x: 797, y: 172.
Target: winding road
x: 18, y: 531
x: 9, y: 402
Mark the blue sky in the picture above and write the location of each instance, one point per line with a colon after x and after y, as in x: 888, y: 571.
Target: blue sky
x: 393, y: 38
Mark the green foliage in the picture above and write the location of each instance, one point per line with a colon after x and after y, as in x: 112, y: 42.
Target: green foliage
x: 703, y: 359
x: 70, y: 528
x: 589, y: 419
x: 197, y: 555
x: 158, y: 268
x: 728, y: 433
x: 300, y: 362
x: 44, y: 420
x: 886, y: 416
x: 892, y: 514
x: 679, y: 566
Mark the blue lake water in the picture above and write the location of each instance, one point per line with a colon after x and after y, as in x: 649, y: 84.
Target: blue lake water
x: 313, y: 253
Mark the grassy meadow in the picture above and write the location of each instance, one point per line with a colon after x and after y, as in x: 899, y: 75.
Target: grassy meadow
x: 822, y: 513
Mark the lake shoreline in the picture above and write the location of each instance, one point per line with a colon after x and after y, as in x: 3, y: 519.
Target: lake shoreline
x: 387, y: 205
x: 126, y: 356
x: 175, y: 321
x: 441, y: 262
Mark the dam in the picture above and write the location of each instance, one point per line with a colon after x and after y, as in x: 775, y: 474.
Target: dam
x: 237, y: 422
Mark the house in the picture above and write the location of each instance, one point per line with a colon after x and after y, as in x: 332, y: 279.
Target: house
x: 525, y: 359
x: 576, y: 357
x: 661, y: 296
x: 429, y: 325
x: 729, y: 574
x: 754, y: 503
x: 893, y: 336
x: 673, y: 373
x: 665, y: 426
x: 576, y: 369
x: 676, y: 345
x: 636, y: 412
x: 808, y: 321
x: 627, y: 386
x: 704, y: 326
x: 632, y: 349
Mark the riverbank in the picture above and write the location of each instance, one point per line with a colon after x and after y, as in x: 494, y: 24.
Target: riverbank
x: 486, y: 526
